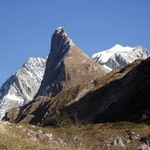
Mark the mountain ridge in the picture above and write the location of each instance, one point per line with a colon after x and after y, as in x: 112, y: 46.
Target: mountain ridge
x: 66, y: 67
x: 22, y: 86
x: 81, y: 102
x: 120, y: 56
x: 75, y: 85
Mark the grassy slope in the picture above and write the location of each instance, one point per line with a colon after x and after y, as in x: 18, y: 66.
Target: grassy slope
x: 92, y: 137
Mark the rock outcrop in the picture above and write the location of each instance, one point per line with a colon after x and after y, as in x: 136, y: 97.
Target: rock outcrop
x: 67, y: 66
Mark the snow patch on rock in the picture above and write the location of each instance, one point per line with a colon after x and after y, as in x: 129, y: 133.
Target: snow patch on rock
x: 22, y: 86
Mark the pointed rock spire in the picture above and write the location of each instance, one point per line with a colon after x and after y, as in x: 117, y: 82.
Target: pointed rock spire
x: 67, y: 65
x: 60, y: 40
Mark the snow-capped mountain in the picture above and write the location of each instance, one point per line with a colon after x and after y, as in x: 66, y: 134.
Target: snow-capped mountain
x: 22, y: 86
x: 120, y: 56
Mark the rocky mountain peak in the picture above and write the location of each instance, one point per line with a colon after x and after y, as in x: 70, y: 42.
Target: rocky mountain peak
x: 67, y: 65
x: 60, y: 40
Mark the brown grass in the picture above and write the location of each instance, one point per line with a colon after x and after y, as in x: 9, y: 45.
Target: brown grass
x: 89, y: 137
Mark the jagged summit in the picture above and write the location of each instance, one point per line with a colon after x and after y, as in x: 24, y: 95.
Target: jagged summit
x: 60, y: 36
x: 67, y: 65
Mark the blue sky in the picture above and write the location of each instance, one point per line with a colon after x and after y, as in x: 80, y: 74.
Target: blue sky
x: 26, y: 27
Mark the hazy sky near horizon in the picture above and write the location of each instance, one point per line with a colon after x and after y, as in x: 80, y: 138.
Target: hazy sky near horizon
x: 26, y: 27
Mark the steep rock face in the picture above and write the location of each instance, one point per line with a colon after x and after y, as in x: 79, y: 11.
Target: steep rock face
x: 120, y: 56
x: 67, y: 66
x: 22, y: 86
